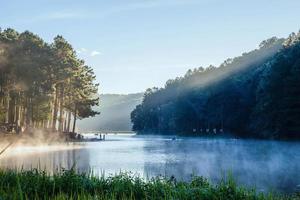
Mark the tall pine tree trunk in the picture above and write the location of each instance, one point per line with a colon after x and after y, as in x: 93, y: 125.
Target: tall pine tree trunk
x: 69, y: 122
x: 11, y: 111
x: 23, y: 117
x: 61, y: 111
x: 7, y: 107
x: 65, y: 122
x: 17, y: 114
x: 75, y: 116
x: 55, y: 109
x: 28, y: 112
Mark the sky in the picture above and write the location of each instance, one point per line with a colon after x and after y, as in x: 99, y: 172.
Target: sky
x: 133, y: 45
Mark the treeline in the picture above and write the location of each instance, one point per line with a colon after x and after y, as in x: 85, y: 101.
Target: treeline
x: 43, y: 85
x: 253, y: 95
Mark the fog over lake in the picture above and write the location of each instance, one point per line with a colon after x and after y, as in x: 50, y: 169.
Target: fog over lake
x: 266, y: 165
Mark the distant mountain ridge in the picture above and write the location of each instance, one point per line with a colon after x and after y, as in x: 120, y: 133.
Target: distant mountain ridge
x: 115, y: 113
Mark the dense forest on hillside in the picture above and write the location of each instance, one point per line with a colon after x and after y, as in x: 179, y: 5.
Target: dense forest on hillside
x: 254, y: 95
x: 115, y: 112
x: 43, y: 85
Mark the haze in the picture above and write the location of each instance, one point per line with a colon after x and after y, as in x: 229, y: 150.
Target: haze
x: 136, y: 44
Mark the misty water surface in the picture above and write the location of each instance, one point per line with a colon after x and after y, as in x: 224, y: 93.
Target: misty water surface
x: 267, y: 165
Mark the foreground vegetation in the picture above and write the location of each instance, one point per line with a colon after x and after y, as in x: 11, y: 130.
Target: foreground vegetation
x: 253, y: 95
x: 68, y: 184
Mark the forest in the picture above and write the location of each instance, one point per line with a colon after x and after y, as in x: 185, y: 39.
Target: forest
x: 254, y: 95
x: 43, y: 85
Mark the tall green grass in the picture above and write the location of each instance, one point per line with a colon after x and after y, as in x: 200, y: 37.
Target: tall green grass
x: 68, y: 184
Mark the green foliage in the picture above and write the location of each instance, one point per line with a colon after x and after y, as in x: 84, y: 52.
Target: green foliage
x: 253, y: 95
x: 41, y: 82
x: 278, y: 93
x: 66, y: 184
x: 210, y: 100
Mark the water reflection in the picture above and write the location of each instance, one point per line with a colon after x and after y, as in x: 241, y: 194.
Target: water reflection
x: 49, y: 158
x: 265, y: 164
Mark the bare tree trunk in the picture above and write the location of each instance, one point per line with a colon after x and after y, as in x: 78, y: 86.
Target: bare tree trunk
x: 69, y: 121
x: 65, y: 122
x: 11, y: 110
x: 23, y: 116
x: 74, y: 122
x: 17, y: 114
x: 55, y: 109
x: 61, y: 111
x: 7, y: 108
x: 32, y: 121
x: 27, y: 120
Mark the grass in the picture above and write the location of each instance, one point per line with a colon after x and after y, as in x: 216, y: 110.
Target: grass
x: 68, y: 184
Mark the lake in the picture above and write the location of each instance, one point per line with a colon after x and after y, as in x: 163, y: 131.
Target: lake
x: 267, y: 165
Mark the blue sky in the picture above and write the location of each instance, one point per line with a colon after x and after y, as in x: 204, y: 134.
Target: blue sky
x: 136, y: 44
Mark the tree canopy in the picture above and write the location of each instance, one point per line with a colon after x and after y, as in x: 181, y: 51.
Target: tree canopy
x: 43, y: 85
x: 254, y: 95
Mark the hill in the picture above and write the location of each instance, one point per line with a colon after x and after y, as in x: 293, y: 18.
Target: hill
x: 253, y: 95
x: 114, y: 113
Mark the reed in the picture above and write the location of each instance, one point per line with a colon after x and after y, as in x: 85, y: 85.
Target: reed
x: 68, y: 184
